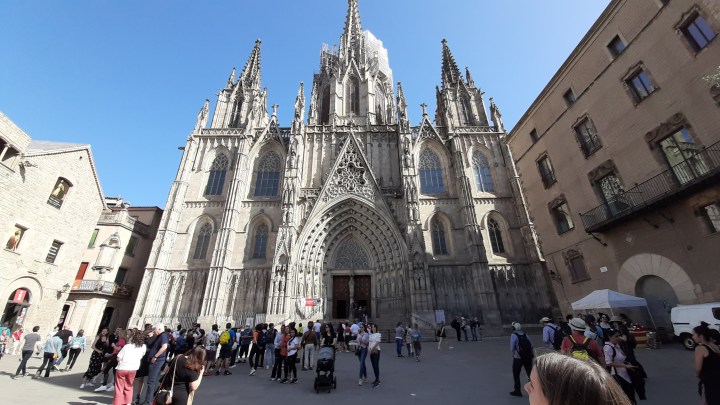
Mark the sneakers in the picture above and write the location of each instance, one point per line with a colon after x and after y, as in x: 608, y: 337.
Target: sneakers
x: 217, y: 373
x: 310, y: 368
x: 101, y: 388
x: 111, y: 389
x: 417, y: 359
x: 267, y: 367
x: 227, y: 373
x: 376, y: 384
x: 56, y: 368
x: 360, y: 381
x: 81, y: 385
x: 252, y: 371
x: 516, y: 394
x: 284, y: 381
x: 294, y: 381
x: 233, y: 366
x: 272, y: 379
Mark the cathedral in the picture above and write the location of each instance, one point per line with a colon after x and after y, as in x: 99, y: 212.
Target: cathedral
x: 350, y: 208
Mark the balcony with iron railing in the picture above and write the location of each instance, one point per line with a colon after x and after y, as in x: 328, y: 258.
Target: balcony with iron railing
x: 101, y: 287
x: 694, y: 171
x: 124, y: 219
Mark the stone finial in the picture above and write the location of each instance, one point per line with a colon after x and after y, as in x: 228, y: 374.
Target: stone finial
x: 424, y: 108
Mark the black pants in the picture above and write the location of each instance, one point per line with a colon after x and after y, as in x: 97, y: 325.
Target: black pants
x: 49, y: 359
x: 627, y: 388
x: 256, y: 356
x: 243, y: 351
x: 233, y: 356
x: 73, y: 355
x: 517, y: 366
x: 375, y: 362
x: 26, y: 354
x: 291, y: 366
x: 278, y: 367
x: 457, y: 331
x: 109, y: 365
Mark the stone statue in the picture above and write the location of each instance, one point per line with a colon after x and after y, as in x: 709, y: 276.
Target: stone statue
x: 202, y: 116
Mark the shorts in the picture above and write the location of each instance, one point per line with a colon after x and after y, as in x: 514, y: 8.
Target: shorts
x: 225, y: 352
x: 210, y: 354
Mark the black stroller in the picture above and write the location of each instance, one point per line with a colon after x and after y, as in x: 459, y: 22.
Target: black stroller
x: 325, y: 370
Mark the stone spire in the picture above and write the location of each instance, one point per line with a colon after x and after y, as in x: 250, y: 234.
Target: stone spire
x: 401, y: 103
x: 231, y: 79
x: 468, y: 77
x: 300, y: 104
x: 352, y: 42
x: 496, y: 116
x: 250, y: 76
x: 450, y: 71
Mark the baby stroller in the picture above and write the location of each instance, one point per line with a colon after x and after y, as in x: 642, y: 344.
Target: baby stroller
x: 325, y: 370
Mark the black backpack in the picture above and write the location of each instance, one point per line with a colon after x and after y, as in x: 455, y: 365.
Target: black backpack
x: 558, y: 337
x: 262, y: 335
x: 270, y: 336
x: 525, y: 348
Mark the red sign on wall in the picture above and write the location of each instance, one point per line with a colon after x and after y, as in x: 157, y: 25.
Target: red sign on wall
x: 19, y: 295
x: 309, y: 302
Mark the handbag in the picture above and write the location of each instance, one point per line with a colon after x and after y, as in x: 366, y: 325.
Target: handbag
x: 163, y: 396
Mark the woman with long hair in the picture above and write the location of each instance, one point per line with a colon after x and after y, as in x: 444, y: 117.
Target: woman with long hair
x: 99, y: 347
x: 184, y: 375
x: 128, y: 360
x: 363, y: 339
x: 440, y: 334
x: 707, y: 364
x: 279, y: 354
x: 374, y: 350
x: 340, y: 333
x: 616, y: 361
x: 557, y: 379
x: 77, y: 345
x: 327, y: 336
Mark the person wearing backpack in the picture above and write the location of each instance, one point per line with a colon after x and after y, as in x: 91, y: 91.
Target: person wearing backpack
x: 270, y: 346
x: 226, y: 340
x: 579, y: 346
x: 617, y: 364
x: 552, y: 334
x: 522, y: 351
x: 211, y: 343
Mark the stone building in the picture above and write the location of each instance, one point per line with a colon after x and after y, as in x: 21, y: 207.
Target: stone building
x: 619, y: 157
x: 105, y: 286
x: 352, y: 207
x: 49, y: 204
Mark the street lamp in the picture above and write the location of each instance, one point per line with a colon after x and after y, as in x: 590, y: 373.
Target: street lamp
x: 555, y: 277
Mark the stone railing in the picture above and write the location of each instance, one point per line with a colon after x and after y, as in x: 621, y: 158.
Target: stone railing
x: 101, y: 287
x: 122, y: 218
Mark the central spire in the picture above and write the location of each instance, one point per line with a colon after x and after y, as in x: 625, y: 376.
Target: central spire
x: 250, y: 76
x: 351, y: 42
x: 450, y: 71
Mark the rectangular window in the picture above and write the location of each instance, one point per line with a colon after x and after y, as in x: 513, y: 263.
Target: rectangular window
x: 561, y: 217
x: 587, y: 137
x: 613, y: 194
x: 569, y: 97
x: 711, y: 213
x: 130, y: 248
x: 547, y: 174
x: 681, y: 153
x: 120, y: 276
x: 53, y: 253
x: 93, y: 238
x: 616, y: 46
x: 640, y: 85
x: 534, y: 136
x: 7, y: 154
x: 13, y: 243
x: 59, y: 193
x: 698, y: 32
x: 81, y: 271
x: 578, y: 272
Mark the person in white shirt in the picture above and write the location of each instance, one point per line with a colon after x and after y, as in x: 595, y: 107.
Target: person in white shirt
x: 129, y: 359
x: 374, y: 350
x: 293, y: 346
x: 615, y: 361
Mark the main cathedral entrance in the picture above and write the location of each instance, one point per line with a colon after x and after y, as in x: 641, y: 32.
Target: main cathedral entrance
x: 351, y: 296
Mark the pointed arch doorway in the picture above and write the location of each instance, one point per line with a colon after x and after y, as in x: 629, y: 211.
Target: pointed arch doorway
x: 351, y: 281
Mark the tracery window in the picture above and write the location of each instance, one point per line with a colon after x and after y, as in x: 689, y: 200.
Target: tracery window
x: 202, y: 242
x: 496, y: 240
x: 483, y: 177
x: 380, y: 103
x: 466, y: 111
x: 267, y: 178
x: 216, y: 180
x: 438, y: 238
x: 431, y: 175
x: 353, y: 95
x: 351, y: 255
x: 325, y: 106
x: 261, y: 237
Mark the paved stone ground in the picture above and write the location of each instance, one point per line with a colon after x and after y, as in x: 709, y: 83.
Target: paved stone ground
x: 461, y: 371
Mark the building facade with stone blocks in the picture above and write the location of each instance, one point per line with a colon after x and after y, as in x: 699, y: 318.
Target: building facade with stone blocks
x: 49, y: 203
x: 350, y: 209
x: 108, y: 278
x: 620, y: 158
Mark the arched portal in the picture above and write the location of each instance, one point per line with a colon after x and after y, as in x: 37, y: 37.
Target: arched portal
x: 660, y: 298
x: 16, y: 308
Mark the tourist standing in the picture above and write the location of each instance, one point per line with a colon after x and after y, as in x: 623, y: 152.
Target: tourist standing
x: 363, y: 340
x: 16, y: 338
x: 399, y: 334
x: 292, y: 345
x: 77, y: 345
x: 226, y: 340
x: 473, y: 329
x: 51, y: 351
x: 30, y: 340
x: 374, y: 351
x: 310, y: 345
x: 157, y: 353
x: 522, y: 352
x: 615, y: 359
x: 409, y: 341
x: 96, y: 358
x: 270, y: 346
x: 593, y: 331
x: 66, y: 335
x: 185, y: 374
x: 117, y: 341
x: 245, y: 340
x: 4, y: 340
x: 211, y: 342
x: 416, y: 338
x: 128, y: 362
x: 279, y: 354
x: 341, y: 337
x: 552, y: 335
x: 255, y: 348
x: 463, y: 327
x: 579, y: 346
x: 440, y: 334
x: 707, y: 364
x: 455, y: 324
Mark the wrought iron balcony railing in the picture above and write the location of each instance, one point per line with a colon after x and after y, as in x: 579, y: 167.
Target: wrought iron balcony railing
x: 101, y: 287
x: 695, y: 170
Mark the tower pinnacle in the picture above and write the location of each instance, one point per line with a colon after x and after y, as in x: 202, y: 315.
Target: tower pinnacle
x: 450, y: 70
x: 250, y: 75
x: 351, y: 43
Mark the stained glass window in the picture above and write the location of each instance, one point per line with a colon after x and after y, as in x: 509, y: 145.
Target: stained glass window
x: 431, y: 175
x: 216, y: 180
x: 481, y: 168
x: 267, y: 179
x: 202, y: 242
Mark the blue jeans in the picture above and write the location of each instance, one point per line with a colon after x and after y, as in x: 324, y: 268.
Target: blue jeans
x: 153, y: 377
x: 399, y: 345
x: 473, y: 330
x: 270, y: 354
x: 465, y: 333
x: 363, y: 355
x: 375, y: 361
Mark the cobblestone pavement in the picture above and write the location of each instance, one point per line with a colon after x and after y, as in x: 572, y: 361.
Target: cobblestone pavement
x: 462, y: 372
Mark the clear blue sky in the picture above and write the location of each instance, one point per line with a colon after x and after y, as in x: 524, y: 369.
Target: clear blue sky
x: 128, y: 77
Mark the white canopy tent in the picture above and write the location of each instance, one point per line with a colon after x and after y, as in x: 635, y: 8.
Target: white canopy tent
x: 610, y: 299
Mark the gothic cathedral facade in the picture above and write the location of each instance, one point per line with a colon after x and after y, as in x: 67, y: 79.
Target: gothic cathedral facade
x: 352, y: 207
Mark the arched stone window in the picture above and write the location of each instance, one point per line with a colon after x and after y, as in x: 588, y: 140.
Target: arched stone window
x: 438, y: 238
x: 267, y: 178
x: 202, y: 242
x: 496, y: 239
x: 483, y: 177
x: 431, y: 174
x: 352, y: 92
x: 466, y: 111
x: 261, y: 237
x: 351, y: 255
x: 235, y: 115
x: 325, y: 106
x: 216, y: 180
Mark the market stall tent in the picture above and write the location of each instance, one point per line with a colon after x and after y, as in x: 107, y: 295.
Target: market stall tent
x: 610, y: 299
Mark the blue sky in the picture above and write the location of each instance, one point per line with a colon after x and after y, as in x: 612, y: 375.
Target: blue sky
x: 128, y: 77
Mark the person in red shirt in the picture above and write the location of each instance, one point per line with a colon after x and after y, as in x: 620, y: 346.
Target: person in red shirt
x: 578, y: 326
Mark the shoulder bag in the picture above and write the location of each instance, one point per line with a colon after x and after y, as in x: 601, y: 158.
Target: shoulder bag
x: 164, y: 396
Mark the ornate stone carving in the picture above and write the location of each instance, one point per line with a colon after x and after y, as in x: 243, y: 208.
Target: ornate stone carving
x: 350, y: 175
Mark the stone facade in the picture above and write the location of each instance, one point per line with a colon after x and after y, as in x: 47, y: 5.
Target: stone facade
x: 351, y: 207
x: 48, y: 207
x: 112, y: 267
x: 619, y: 158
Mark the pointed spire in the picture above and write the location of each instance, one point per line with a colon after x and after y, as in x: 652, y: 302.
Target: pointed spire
x: 496, y: 116
x: 401, y: 103
x: 450, y: 71
x: 250, y: 75
x: 231, y: 79
x: 468, y: 77
x: 300, y: 103
x: 352, y: 38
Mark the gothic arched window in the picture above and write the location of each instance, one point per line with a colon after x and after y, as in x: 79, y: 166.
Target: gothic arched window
x: 235, y: 115
x: 466, y: 111
x: 380, y: 103
x: 352, y: 93
x: 267, y: 178
x: 216, y: 180
x: 431, y: 175
x: 438, y: 238
x: 261, y: 237
x: 481, y: 168
x: 202, y: 242
x: 325, y: 106
x: 496, y: 240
